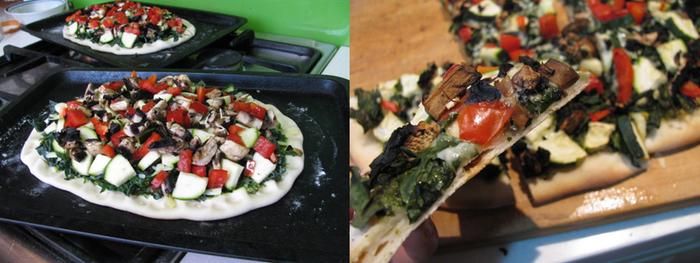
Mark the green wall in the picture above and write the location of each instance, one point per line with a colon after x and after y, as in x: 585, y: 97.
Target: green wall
x: 321, y: 20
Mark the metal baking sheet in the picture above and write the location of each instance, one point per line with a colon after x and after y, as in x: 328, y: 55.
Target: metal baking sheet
x: 209, y: 26
x: 308, y: 224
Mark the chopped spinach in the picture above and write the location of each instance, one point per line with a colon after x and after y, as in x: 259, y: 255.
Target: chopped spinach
x: 369, y: 113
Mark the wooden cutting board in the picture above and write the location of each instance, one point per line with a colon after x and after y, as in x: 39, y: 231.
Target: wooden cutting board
x: 393, y: 37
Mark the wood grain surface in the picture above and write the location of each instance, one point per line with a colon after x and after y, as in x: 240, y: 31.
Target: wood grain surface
x: 390, y: 38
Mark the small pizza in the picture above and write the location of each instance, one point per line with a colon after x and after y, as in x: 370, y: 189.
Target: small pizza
x: 463, y: 124
x: 641, y: 99
x: 167, y: 149
x: 127, y: 28
x: 375, y: 114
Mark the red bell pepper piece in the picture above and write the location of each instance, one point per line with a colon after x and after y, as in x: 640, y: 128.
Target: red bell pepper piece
x: 638, y: 11
x: 390, y: 106
x: 179, y: 116
x: 150, y: 86
x: 201, y: 93
x: 159, y: 179
x: 594, y: 84
x: 200, y: 171
x: 217, y: 178
x: 93, y: 23
x: 101, y: 128
x: 115, y: 85
x: 515, y: 55
x: 199, y: 107
x: 249, y: 168
x: 117, y: 138
x: 185, y: 163
x: 548, y: 26
x: 121, y: 18
x: 233, y: 134
x: 690, y: 89
x: 599, y: 115
x: 143, y: 150
x: 108, y: 151
x: 465, y: 34
x: 618, y: 4
x: 257, y: 111
x: 148, y: 106
x: 241, y: 106
x: 174, y: 90
x: 75, y: 118
x: 264, y: 147
x: 509, y: 42
x: 624, y: 75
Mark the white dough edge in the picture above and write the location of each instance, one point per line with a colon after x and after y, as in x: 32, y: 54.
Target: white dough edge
x: 214, y: 208
x: 379, y: 241
x: 147, y: 48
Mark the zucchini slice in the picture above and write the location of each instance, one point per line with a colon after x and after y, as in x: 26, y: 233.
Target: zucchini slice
x: 118, y: 171
x: 189, y: 186
x: 681, y: 27
x: 668, y: 52
x: 390, y: 123
x: 598, y: 135
x: 83, y: 166
x: 562, y: 149
x: 486, y: 10
x: 647, y: 76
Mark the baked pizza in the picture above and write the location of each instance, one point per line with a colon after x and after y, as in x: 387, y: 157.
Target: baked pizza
x: 127, y: 28
x: 376, y: 113
x: 465, y: 122
x: 167, y: 149
x: 641, y: 100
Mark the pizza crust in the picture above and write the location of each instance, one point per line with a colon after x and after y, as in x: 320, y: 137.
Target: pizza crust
x: 147, y: 48
x: 363, y: 147
x: 224, y: 206
x: 597, y: 170
x: 674, y: 134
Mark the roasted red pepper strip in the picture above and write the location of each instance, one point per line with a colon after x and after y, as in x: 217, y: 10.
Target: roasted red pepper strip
x: 599, y: 115
x: 264, y: 147
x: 594, y: 84
x: 257, y: 111
x: 174, y: 90
x: 179, y: 116
x: 117, y: 137
x: 217, y: 178
x: 233, y: 134
x: 638, y: 11
x: 465, y: 33
x: 624, y: 75
x: 108, y: 151
x: 143, y: 150
x: 100, y: 127
x: 548, y: 26
x: 185, y: 163
x: 159, y: 179
x: 690, y: 89
x: 509, y: 42
x: 148, y: 106
x: 389, y: 106
x: 199, y: 107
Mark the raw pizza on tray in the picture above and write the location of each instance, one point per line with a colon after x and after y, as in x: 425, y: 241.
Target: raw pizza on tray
x: 127, y: 28
x: 642, y: 98
x: 465, y: 122
x: 167, y: 149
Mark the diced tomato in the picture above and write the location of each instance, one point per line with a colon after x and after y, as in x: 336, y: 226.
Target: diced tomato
x: 199, y: 107
x: 108, y: 22
x: 548, y: 26
x: 108, y: 151
x: 117, y: 138
x: 257, y: 111
x: 154, y: 19
x: 94, y: 23
x: 148, y: 106
x: 81, y: 19
x: 241, y: 106
x: 101, y: 128
x: 121, y: 18
x: 201, y: 93
x: 201, y: 171
x: 217, y: 178
x: 185, y: 163
x: 465, y: 33
x: 599, y: 115
x: 690, y: 89
x: 481, y: 122
x: 115, y: 85
x: 176, y: 22
x: 75, y: 118
x: 159, y: 179
x: 73, y: 16
x: 264, y: 147
x: 150, y: 85
x: 618, y: 4
x: 624, y: 74
x: 249, y: 168
x: 509, y: 42
x: 174, y: 90
x: 515, y: 55
x: 179, y: 116
x: 595, y: 84
x: 233, y: 134
x: 638, y: 11
x: 145, y: 146
x: 390, y: 106
x: 133, y: 28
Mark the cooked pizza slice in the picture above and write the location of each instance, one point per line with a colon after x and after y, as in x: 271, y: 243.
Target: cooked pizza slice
x: 467, y: 121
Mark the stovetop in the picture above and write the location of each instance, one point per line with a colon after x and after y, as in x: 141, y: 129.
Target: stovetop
x: 20, y: 68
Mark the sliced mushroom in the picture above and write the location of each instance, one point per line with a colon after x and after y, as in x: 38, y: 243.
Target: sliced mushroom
x: 453, y: 86
x: 94, y: 146
x: 128, y: 144
x: 233, y: 150
x: 526, y: 78
x: 559, y: 73
x: 204, y: 154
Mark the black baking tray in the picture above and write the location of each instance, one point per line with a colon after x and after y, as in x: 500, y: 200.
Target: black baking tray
x: 308, y: 224
x: 209, y: 27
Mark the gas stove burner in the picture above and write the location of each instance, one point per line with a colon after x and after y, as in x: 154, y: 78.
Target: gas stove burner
x: 217, y: 59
